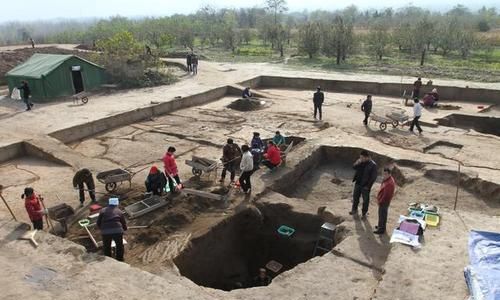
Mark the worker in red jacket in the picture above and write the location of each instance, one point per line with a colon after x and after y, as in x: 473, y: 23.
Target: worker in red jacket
x: 34, y: 207
x: 272, y: 156
x: 384, y: 198
x: 171, y: 169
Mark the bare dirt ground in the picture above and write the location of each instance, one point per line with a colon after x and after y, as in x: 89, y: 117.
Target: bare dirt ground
x: 362, y: 266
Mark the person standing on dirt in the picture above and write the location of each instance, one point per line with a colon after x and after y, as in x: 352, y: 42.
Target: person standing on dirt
x: 26, y: 93
x: 417, y: 113
x: 32, y: 42
x: 257, y: 147
x: 230, y: 155
x: 112, y: 224
x: 189, y: 65
x: 171, y: 170
x: 194, y: 62
x: 366, y: 107
x: 156, y: 181
x: 416, y: 88
x: 384, y: 198
x: 318, y: 100
x: 247, y: 169
x: 81, y: 178
x: 148, y: 50
x: 364, y: 178
x: 34, y: 207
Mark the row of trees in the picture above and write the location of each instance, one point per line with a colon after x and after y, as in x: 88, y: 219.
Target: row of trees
x: 333, y: 33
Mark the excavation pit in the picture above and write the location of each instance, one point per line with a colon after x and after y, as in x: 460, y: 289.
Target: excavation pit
x: 230, y: 255
x: 487, y: 125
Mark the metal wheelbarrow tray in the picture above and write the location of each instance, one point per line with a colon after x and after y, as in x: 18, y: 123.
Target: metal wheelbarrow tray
x: 112, y: 177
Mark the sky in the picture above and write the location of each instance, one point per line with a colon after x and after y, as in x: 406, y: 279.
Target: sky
x: 31, y: 10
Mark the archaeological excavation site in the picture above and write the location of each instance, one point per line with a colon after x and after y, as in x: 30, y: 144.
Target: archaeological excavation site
x: 291, y: 236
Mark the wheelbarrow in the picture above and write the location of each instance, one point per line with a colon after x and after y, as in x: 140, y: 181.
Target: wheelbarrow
x: 200, y: 165
x: 82, y: 97
x: 61, y: 213
x: 112, y: 178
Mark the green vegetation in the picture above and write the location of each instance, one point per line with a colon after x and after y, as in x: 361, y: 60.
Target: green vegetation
x: 413, y: 41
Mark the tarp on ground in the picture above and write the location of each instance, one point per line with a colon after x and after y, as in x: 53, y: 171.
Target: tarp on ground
x: 483, y: 273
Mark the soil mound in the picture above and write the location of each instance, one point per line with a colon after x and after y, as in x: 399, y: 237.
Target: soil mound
x: 248, y: 104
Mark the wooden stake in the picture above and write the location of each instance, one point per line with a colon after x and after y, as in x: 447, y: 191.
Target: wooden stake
x: 47, y: 217
x: 6, y: 204
x: 458, y: 186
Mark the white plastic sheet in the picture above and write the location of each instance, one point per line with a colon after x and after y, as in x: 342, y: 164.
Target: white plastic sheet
x: 16, y: 94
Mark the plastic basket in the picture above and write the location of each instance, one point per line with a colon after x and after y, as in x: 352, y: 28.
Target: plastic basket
x: 285, y: 230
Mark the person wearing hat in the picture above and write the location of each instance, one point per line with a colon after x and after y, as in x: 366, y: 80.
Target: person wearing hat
x: 112, y: 224
x: 156, y: 181
x: 33, y: 206
x: 318, y: 100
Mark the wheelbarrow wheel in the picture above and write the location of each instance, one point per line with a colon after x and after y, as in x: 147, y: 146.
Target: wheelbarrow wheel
x: 197, y: 172
x: 85, y: 100
x: 110, y: 187
x: 395, y: 124
x: 383, y: 126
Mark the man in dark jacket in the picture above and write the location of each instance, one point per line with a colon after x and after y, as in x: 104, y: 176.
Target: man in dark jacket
x: 416, y: 88
x: 156, y: 181
x: 112, y: 224
x: 384, y: 198
x: 318, y: 100
x: 84, y: 176
x: 26, y: 93
x: 230, y: 158
x: 194, y: 63
x: 366, y: 107
x: 365, y: 176
x: 189, y: 62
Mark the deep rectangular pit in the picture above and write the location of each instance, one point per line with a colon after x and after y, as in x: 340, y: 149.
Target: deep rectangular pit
x: 487, y: 125
x: 230, y: 254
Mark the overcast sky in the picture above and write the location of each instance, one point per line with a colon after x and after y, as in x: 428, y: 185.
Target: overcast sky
x: 26, y: 10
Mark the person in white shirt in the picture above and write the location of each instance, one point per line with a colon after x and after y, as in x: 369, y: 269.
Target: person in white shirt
x: 417, y: 113
x: 246, y: 167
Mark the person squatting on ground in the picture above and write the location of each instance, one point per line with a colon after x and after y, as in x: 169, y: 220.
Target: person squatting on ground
x: 272, y: 156
x: 34, y: 207
x: 246, y: 93
x: 156, y: 181
x: 84, y: 176
x: 230, y: 155
x: 431, y: 99
x: 279, y: 140
x: 247, y: 168
x: 171, y: 169
x: 257, y: 147
x: 416, y: 88
x: 384, y: 197
x: 112, y: 224
x: 189, y: 62
x: 365, y: 176
x: 26, y: 93
x: 366, y: 107
x: 417, y: 113
x: 262, y: 279
x: 194, y: 63
x: 318, y: 100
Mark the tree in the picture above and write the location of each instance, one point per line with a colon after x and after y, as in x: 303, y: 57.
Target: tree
x: 338, y: 39
x: 309, y: 39
x: 422, y: 34
x: 378, y: 39
x: 276, y: 7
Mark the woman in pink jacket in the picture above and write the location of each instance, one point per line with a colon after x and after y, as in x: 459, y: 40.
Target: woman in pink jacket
x: 171, y: 169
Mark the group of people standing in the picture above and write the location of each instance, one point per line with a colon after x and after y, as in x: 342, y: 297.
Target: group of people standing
x: 192, y: 63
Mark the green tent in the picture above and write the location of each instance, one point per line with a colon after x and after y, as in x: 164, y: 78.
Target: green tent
x: 55, y: 75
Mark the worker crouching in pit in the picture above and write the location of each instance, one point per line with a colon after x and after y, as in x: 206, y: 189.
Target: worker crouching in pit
x: 156, y: 181
x: 112, y: 224
x: 272, y: 156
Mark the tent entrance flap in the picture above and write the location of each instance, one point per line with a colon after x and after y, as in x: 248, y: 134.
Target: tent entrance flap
x: 77, y: 79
